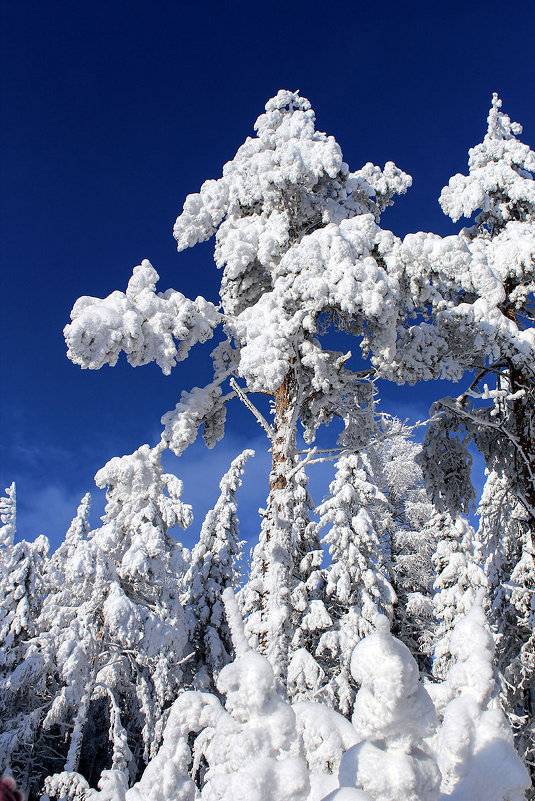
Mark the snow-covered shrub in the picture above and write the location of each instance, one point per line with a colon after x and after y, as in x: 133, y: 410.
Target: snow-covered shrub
x: 393, y: 713
x: 475, y: 749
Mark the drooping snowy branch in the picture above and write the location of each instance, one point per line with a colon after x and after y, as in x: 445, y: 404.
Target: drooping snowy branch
x: 146, y: 325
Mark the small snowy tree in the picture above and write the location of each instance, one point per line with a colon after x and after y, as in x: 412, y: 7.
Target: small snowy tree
x: 393, y: 713
x: 253, y: 753
x: 112, y: 631
x: 506, y: 544
x: 412, y: 539
x: 8, y: 517
x: 22, y: 588
x: 459, y: 578
x: 357, y: 515
x: 213, y: 568
x: 475, y: 751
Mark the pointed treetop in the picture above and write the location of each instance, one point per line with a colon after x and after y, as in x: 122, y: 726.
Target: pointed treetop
x: 498, y: 182
x: 235, y: 622
x: 79, y: 527
x: 500, y: 125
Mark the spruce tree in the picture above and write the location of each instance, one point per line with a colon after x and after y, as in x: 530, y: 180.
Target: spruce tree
x: 22, y: 681
x: 506, y: 543
x: 214, y: 567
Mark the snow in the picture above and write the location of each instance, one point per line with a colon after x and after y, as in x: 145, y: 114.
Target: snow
x: 100, y: 641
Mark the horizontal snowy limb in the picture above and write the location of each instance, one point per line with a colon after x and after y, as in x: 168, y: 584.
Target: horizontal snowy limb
x: 144, y: 324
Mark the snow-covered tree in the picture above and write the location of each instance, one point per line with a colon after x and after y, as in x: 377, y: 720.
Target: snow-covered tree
x: 393, y: 714
x: 248, y: 750
x: 112, y: 633
x: 411, y: 541
x: 77, y: 533
x: 288, y: 564
x: 459, y: 578
x: 383, y: 483
x: 8, y: 516
x: 298, y: 239
x: 214, y: 567
x: 356, y: 515
x: 22, y: 588
x: 253, y: 752
x: 475, y: 750
x: 480, y: 299
x: 506, y: 545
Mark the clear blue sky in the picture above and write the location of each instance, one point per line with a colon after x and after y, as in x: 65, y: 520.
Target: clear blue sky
x: 113, y: 112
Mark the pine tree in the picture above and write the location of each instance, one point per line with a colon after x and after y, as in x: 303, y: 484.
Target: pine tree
x: 357, y: 589
x: 214, y: 567
x: 112, y: 633
x: 411, y: 541
x: 8, y: 516
x: 298, y: 239
x: 253, y: 751
x: 280, y: 589
x: 483, y: 317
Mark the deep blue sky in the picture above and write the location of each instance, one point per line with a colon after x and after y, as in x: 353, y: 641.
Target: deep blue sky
x: 113, y: 112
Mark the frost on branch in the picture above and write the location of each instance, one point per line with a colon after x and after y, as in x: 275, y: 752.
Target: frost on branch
x: 146, y: 325
x: 201, y: 405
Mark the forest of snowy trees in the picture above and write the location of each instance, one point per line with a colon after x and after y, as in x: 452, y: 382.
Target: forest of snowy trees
x: 375, y: 646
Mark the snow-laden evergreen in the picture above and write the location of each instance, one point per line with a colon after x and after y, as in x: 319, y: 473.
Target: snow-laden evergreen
x: 22, y: 586
x: 298, y: 239
x: 279, y: 595
x: 8, y: 516
x: 475, y: 749
x: 214, y: 567
x: 356, y: 587
x: 458, y: 580
x: 506, y: 545
x: 410, y: 536
x: 483, y: 284
x: 112, y: 632
x: 393, y: 714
